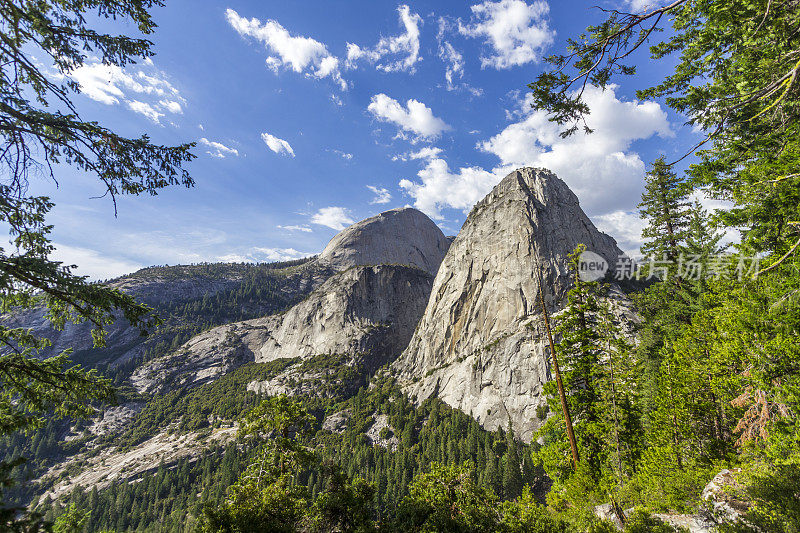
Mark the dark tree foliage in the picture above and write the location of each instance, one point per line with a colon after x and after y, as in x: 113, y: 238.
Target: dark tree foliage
x: 736, y: 78
x: 40, y: 129
x: 347, y: 470
x: 719, y: 382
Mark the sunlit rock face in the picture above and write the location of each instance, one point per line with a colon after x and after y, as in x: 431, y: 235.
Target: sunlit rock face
x: 379, y: 276
x: 402, y: 236
x: 481, y: 345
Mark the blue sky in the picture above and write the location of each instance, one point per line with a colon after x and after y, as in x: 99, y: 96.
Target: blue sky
x: 312, y: 115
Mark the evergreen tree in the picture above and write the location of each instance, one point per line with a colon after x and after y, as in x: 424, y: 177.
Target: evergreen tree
x: 719, y: 353
x: 266, y: 497
x: 447, y: 499
x: 491, y: 475
x: 665, y: 207
x: 595, y: 359
x: 40, y: 128
x: 512, y: 475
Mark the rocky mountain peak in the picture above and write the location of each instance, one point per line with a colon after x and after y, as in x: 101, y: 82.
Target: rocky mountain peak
x: 403, y: 236
x: 539, y: 184
x: 480, y: 345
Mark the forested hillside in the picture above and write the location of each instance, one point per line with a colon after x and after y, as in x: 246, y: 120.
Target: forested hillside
x: 170, y: 497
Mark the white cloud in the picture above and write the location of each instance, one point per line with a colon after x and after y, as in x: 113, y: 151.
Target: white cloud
x: 439, y: 187
x: 626, y: 228
x: 145, y: 109
x: 92, y: 263
x: 142, y: 88
x: 453, y: 60
x: 382, y: 196
x: 455, y: 64
x: 516, y: 31
x: 638, y: 6
x: 406, y: 44
x: 427, y: 152
x: 303, y: 228
x: 337, y: 218
x: 344, y: 155
x: 302, y: 55
x: 261, y: 255
x: 277, y: 145
x: 600, y: 168
x: 217, y: 149
x: 171, y: 106
x: 416, y: 117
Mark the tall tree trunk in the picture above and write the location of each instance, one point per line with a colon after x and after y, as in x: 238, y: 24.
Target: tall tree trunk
x: 567, y: 419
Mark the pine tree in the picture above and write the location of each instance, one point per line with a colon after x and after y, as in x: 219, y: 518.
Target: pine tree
x: 594, y: 356
x: 679, y: 234
x: 512, y: 477
x: 580, y: 350
x: 665, y: 207
x: 44, y: 42
x: 491, y: 475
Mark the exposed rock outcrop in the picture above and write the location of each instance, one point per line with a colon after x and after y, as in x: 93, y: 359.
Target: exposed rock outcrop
x: 481, y: 345
x: 158, y: 286
x: 111, y: 465
x: 403, y: 236
x: 364, y: 310
x: 358, y: 321
x: 366, y: 315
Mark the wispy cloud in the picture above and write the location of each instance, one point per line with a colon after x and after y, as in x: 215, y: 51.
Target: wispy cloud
x: 92, y: 263
x: 333, y: 217
x: 637, y: 6
x: 382, y: 195
x: 454, y: 63
x: 304, y: 229
x: 344, y: 155
x: 261, y: 255
x: 427, y: 152
x: 302, y: 55
x: 141, y: 88
x: 277, y: 145
x: 217, y: 149
x: 406, y: 45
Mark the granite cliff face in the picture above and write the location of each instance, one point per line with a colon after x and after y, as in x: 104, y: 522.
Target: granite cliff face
x: 361, y: 317
x: 481, y: 345
x: 403, y: 236
x: 399, y: 237
x: 329, y: 324
x: 364, y: 310
x: 457, y: 318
